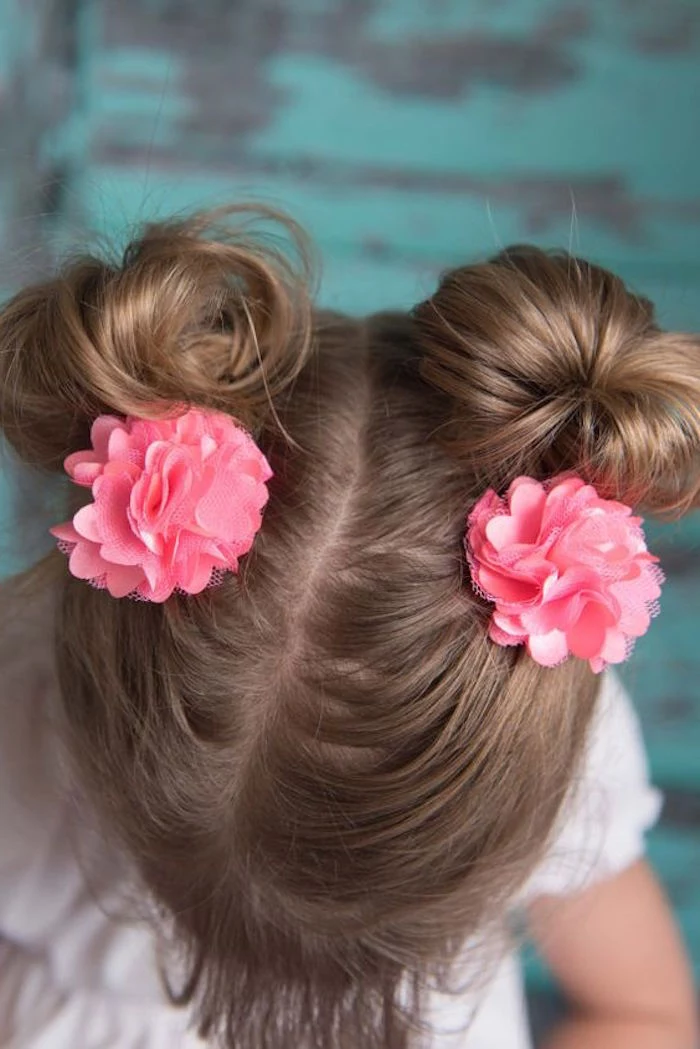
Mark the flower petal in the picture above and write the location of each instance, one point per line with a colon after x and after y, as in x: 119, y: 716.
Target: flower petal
x: 587, y: 635
x: 101, y: 434
x: 122, y: 580
x: 522, y: 524
x: 506, y: 630
x: 548, y: 649
x: 616, y: 647
x: 66, y: 532
x: 83, y: 468
x: 87, y: 524
x: 502, y: 587
x: 119, y: 543
x: 85, y: 561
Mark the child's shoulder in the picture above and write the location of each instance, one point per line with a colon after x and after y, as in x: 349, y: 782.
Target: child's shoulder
x: 611, y: 804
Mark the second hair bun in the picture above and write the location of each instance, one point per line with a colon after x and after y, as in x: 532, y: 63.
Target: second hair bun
x: 552, y: 365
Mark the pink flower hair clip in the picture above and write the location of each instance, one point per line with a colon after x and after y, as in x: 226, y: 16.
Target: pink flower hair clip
x: 175, y: 503
x: 568, y: 572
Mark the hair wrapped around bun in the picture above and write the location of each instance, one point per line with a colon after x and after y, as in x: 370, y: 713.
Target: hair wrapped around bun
x: 203, y: 311
x: 551, y: 364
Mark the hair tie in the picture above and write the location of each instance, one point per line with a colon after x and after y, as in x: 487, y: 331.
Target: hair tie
x: 568, y: 572
x: 175, y: 503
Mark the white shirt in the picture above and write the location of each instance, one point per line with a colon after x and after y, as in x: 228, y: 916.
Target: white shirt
x: 74, y: 977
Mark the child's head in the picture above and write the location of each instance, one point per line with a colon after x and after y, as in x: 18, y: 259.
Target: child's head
x: 327, y: 774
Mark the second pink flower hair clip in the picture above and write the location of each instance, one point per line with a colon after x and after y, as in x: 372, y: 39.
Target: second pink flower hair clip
x: 567, y: 571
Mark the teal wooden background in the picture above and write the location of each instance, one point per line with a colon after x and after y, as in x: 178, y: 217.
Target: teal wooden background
x: 406, y: 136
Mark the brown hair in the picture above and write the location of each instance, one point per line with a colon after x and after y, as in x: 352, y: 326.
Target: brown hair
x: 326, y: 774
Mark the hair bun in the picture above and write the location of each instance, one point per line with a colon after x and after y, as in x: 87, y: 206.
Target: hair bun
x: 552, y: 365
x: 203, y: 311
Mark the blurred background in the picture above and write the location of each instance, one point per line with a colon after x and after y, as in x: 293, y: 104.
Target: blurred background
x: 407, y: 136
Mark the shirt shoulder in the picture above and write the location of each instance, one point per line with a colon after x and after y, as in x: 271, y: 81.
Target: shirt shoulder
x: 611, y: 805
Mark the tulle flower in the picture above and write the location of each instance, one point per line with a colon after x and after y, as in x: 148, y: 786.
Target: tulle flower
x: 568, y: 572
x: 175, y: 503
